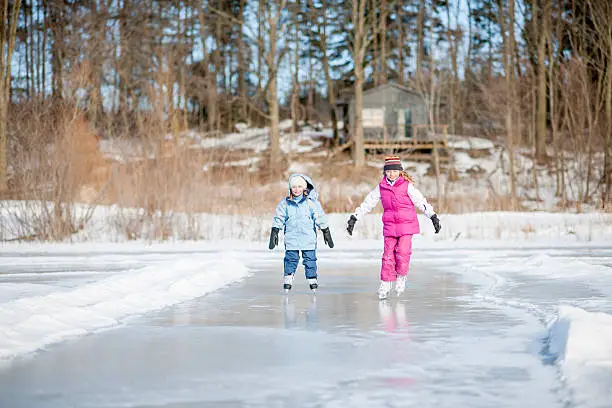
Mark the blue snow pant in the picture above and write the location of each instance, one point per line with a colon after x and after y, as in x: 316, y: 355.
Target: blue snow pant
x: 309, y: 259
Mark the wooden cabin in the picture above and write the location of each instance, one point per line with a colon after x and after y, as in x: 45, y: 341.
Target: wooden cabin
x: 394, y: 117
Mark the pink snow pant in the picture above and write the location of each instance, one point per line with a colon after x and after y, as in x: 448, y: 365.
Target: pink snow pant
x: 396, y: 257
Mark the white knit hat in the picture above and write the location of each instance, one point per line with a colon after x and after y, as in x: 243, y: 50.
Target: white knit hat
x: 298, y: 181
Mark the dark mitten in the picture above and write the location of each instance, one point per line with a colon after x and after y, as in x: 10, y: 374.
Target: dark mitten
x: 436, y: 223
x: 351, y: 224
x: 327, y: 237
x: 273, y: 238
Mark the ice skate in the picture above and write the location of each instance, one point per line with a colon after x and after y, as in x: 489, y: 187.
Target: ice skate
x: 287, y: 282
x: 384, y: 289
x: 400, y: 284
x: 313, y: 284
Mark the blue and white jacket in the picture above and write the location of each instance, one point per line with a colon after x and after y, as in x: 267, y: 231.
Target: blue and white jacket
x: 299, y: 217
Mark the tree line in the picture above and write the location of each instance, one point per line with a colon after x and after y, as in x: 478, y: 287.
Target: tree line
x: 533, y: 73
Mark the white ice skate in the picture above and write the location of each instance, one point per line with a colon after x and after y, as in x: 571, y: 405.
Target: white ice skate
x: 400, y: 284
x: 384, y: 289
x: 313, y: 284
x: 287, y: 282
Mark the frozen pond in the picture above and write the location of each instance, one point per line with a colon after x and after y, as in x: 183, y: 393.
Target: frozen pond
x: 476, y: 327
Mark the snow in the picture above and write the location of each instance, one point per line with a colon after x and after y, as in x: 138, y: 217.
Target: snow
x: 467, y: 143
x: 582, y: 341
x: 566, y: 287
x: 258, y: 140
x: 300, y: 167
x: 518, y: 227
x: 38, y: 319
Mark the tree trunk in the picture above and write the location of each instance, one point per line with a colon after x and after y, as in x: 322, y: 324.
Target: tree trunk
x: 242, y: 88
x: 29, y: 49
x: 608, y: 128
x: 358, y: 142
x: 40, y: 52
x: 57, y: 51
x: 260, y: 52
x: 383, y: 41
x: 508, y: 62
x: 400, y: 45
x: 43, y: 56
x: 331, y: 93
x: 360, y: 44
x: 296, y: 76
x: 376, y: 58
x: 272, y: 96
x: 455, y: 78
x: 420, y: 40
x: 540, y: 135
x: 213, y: 78
x: 9, y: 17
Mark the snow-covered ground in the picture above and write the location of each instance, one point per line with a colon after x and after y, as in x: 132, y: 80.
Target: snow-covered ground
x: 482, y: 324
x: 479, y: 167
x: 108, y: 225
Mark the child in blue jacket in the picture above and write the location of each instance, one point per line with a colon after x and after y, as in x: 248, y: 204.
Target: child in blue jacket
x: 299, y: 215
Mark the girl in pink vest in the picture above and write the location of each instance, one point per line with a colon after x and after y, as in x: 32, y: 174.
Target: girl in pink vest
x: 399, y: 198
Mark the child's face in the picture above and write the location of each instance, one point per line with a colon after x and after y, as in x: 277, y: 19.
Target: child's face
x: 297, y: 190
x: 392, y: 174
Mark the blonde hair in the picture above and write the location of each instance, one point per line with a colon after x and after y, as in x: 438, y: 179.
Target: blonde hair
x: 405, y: 175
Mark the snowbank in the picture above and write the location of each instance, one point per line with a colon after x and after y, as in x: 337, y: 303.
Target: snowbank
x: 581, y: 341
x: 521, y: 227
x: 33, y: 322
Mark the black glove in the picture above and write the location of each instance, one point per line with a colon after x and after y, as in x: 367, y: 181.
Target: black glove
x: 327, y: 237
x: 351, y: 224
x: 273, y: 238
x: 436, y: 223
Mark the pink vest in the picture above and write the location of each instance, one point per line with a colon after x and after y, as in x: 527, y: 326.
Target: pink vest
x: 399, y: 216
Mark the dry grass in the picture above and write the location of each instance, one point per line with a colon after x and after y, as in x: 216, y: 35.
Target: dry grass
x: 56, y: 163
x: 458, y: 204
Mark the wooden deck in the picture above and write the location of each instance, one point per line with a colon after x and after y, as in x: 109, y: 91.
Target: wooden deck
x: 403, y: 145
x: 420, y: 144
x: 420, y: 137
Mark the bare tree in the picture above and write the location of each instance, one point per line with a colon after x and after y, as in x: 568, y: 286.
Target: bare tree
x: 541, y: 18
x: 555, y: 110
x: 9, y: 17
x: 363, y: 21
x: 273, y: 13
x: 421, y: 15
x: 454, y: 38
x: 601, y: 37
x: 323, y: 28
x: 384, y: 13
x: 242, y: 64
x: 506, y: 22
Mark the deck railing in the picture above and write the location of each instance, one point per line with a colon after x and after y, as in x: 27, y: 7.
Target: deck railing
x: 424, y: 136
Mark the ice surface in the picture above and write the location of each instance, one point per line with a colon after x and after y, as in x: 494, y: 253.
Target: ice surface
x: 478, y: 326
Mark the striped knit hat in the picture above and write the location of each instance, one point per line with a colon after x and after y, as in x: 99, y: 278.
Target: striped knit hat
x: 393, y: 163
